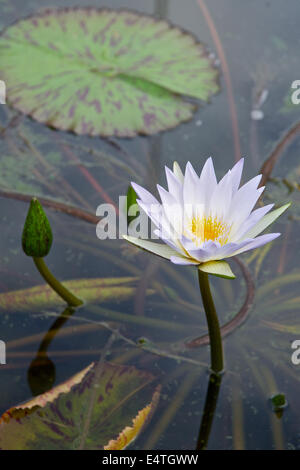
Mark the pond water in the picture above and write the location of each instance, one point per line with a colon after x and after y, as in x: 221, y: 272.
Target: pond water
x: 261, y: 43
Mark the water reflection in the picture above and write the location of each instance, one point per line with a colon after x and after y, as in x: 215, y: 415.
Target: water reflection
x: 41, y: 372
x: 214, y: 385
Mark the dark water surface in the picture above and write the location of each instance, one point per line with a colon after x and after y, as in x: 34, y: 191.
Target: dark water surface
x: 261, y: 42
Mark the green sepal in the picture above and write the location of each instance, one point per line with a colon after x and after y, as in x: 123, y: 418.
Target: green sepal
x: 131, y: 201
x: 217, y: 268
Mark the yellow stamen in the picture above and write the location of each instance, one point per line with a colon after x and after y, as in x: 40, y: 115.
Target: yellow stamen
x: 207, y: 228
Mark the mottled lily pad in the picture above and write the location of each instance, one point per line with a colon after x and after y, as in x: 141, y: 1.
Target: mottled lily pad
x: 104, y: 72
x: 88, y: 411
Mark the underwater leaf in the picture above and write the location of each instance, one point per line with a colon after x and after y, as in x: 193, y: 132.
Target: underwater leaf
x: 90, y: 290
x: 90, y: 411
x: 104, y: 72
x: 217, y: 268
x: 290, y: 329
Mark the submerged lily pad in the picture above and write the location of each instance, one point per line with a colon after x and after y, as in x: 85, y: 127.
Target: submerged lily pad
x: 104, y: 72
x: 91, y: 290
x: 87, y: 411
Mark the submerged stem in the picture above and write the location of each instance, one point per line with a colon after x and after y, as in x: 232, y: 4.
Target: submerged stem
x: 64, y: 293
x: 216, y: 350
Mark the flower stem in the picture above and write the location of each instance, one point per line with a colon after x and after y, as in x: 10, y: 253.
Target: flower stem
x: 64, y: 293
x: 216, y: 350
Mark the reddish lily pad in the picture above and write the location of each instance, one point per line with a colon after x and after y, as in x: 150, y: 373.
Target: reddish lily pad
x: 104, y: 72
x: 88, y: 411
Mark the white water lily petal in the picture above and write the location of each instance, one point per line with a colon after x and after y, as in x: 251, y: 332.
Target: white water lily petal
x: 183, y: 261
x: 190, y: 186
x: 174, y: 185
x: 158, y: 249
x: 207, y: 181
x: 242, y: 205
x: 243, y: 202
x: 255, y: 243
x: 217, y: 268
x: 221, y: 197
x: 228, y: 250
x: 253, y: 219
x: 266, y: 221
x: 203, y: 254
x: 156, y: 213
x: 172, y: 209
x: 177, y: 172
x: 144, y: 195
x: 173, y: 243
x: 236, y: 175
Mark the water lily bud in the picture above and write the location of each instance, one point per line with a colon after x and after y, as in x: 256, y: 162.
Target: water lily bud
x: 37, y: 233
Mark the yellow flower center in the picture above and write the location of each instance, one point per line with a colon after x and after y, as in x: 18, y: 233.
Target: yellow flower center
x: 207, y: 228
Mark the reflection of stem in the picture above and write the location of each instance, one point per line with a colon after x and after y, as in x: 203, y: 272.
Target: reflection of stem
x: 41, y: 372
x: 209, y: 410
x: 52, y: 332
x: 64, y: 293
x: 216, y: 350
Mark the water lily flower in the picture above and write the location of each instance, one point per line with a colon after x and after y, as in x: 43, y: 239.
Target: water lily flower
x: 202, y: 221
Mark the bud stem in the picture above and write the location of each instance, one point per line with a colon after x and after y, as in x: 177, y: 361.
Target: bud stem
x: 64, y: 293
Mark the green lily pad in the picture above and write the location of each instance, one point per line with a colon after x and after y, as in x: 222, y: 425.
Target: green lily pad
x: 104, y: 72
x: 85, y: 412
